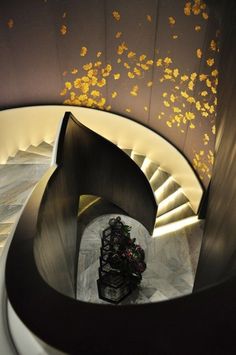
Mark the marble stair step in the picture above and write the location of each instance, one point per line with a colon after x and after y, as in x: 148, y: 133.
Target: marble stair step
x: 158, y: 178
x: 24, y: 157
x: 127, y: 151
x: 149, y: 169
x: 173, y: 229
x: 43, y: 149
x: 181, y: 212
x: 5, y: 228
x: 171, y: 202
x: 138, y: 159
x: 9, y: 213
x: 166, y: 189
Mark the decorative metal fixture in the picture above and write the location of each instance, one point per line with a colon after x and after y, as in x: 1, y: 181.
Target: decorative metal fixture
x: 121, y: 262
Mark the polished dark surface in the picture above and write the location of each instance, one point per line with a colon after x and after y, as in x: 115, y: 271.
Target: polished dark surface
x: 218, y: 254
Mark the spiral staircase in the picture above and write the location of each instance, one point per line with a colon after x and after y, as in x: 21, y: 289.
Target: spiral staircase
x: 175, y: 243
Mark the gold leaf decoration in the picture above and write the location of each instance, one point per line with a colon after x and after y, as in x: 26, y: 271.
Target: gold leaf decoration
x: 171, y: 20
x: 149, y: 18
x: 134, y: 91
x: 83, y: 51
x: 116, y: 76
x: 197, y: 28
x: 210, y: 61
x: 118, y: 34
x: 63, y: 30
x: 116, y: 15
x: 199, y: 53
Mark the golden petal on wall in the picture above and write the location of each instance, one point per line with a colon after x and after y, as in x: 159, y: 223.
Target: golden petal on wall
x: 83, y: 51
x: 149, y: 18
x: 213, y: 45
x: 193, y: 76
x: 95, y: 93
x: 130, y: 75
x: 205, y: 15
x: 167, y: 60
x: 10, y: 23
x: 68, y: 85
x: 175, y: 36
x: 74, y: 71
x: 149, y: 84
x: 63, y: 92
x: 176, y: 72
x: 142, y: 57
x: 214, y: 72
x: 210, y: 61
x: 63, y: 30
x: 118, y: 34
x: 199, y: 53
x: 166, y: 103
x: 114, y: 94
x: 131, y: 54
x: 159, y: 62
x: 116, y: 15
x: 202, y: 77
x: 187, y: 8
x: 116, y: 76
x: 197, y: 28
x: 171, y: 20
x: 184, y: 77
x: 87, y: 66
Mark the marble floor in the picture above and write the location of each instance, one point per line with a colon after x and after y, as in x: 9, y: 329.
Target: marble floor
x: 171, y: 262
x: 17, y: 179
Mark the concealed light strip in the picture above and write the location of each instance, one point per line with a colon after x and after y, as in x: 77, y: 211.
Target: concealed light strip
x: 175, y: 211
x: 175, y: 226
x: 163, y: 205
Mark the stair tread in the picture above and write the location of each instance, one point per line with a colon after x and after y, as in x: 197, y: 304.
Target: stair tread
x: 158, y: 179
x: 176, y: 214
x: 150, y: 169
x: 43, y: 149
x: 171, y: 202
x: 138, y: 159
x: 166, y: 189
x: 23, y: 157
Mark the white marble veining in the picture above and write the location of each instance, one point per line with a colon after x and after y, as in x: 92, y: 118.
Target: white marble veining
x: 17, y: 179
x: 171, y: 262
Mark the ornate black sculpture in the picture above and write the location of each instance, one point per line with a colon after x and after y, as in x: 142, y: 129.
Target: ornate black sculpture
x: 121, y: 262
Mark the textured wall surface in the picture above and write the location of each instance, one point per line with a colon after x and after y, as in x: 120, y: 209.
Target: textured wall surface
x: 217, y: 259
x: 152, y: 60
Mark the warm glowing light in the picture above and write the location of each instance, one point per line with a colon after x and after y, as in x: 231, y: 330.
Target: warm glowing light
x: 163, y: 205
x: 175, y: 226
x: 176, y: 211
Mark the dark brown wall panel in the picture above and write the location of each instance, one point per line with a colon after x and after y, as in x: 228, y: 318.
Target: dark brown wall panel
x: 217, y: 259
